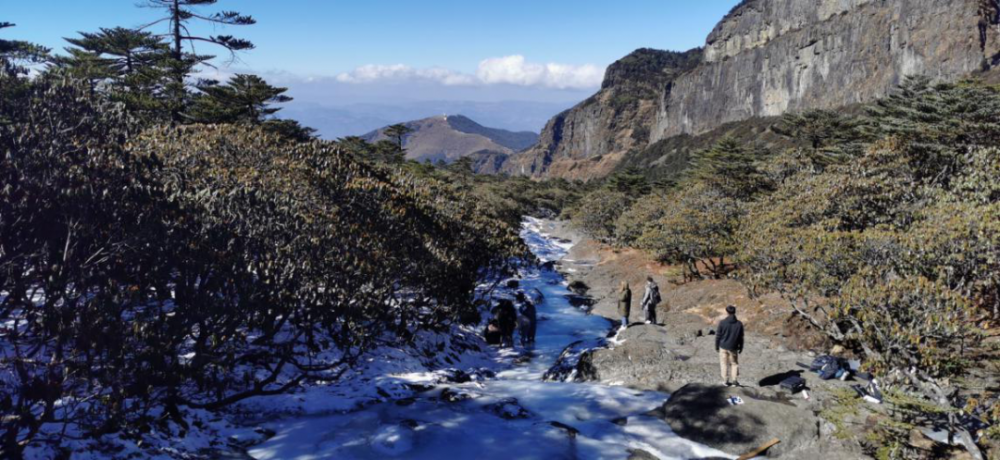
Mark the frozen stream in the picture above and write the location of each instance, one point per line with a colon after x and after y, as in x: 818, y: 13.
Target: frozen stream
x: 606, y: 421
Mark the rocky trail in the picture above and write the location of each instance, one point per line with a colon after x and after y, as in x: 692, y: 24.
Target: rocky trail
x: 678, y: 357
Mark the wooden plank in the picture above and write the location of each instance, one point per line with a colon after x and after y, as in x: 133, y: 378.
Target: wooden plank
x: 760, y: 450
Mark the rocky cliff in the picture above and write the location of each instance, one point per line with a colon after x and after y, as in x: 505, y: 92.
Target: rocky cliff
x: 769, y: 57
x: 772, y: 56
x: 588, y: 140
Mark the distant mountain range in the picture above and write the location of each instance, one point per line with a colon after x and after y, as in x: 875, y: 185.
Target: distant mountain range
x: 334, y: 122
x: 448, y: 138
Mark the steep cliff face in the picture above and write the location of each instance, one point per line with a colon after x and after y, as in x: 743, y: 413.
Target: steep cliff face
x: 766, y: 58
x: 588, y: 140
x: 769, y: 57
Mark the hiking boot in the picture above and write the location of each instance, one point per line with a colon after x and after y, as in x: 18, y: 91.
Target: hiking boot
x: 736, y: 384
x: 728, y: 384
x: 649, y: 322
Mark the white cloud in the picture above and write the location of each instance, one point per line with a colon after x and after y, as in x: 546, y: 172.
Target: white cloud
x: 402, y: 73
x: 515, y: 70
x: 508, y: 70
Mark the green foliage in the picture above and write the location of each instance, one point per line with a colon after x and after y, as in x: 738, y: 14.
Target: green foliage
x: 398, y: 133
x: 893, y: 253
x: 242, y: 99
x: 182, y: 58
x: 633, y: 222
x: 630, y: 182
x: 18, y: 50
x: 696, y: 223
x: 597, y: 213
x: 731, y: 168
x: 126, y: 51
x: 383, y: 151
x: 824, y: 131
x: 201, y: 265
x: 882, y: 230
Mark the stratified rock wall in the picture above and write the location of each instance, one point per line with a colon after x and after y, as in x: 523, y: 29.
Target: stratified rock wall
x: 769, y: 57
x: 765, y: 58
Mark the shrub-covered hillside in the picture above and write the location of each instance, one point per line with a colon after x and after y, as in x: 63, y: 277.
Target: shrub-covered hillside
x: 884, y: 233
x: 146, y: 267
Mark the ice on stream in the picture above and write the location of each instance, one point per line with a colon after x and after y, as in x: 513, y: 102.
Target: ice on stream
x: 513, y: 416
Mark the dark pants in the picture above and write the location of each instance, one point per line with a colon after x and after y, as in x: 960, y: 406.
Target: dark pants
x: 651, y: 314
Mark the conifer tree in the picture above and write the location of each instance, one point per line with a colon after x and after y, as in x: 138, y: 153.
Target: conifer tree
x: 178, y: 15
x: 246, y: 99
x: 398, y: 133
x: 85, y: 65
x: 630, y: 182
x: 732, y: 168
x: 242, y: 99
x: 134, y: 64
x: 127, y: 51
x: 21, y: 50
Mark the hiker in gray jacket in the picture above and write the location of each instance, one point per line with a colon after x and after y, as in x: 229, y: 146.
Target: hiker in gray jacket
x: 528, y: 320
x: 650, y: 300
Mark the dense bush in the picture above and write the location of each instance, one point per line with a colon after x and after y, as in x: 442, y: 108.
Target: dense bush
x: 146, y: 269
x: 598, y: 212
x: 697, y: 227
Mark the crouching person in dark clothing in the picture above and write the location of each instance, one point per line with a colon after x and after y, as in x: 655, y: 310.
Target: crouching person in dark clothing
x: 492, y: 335
x: 506, y: 318
x: 729, y: 344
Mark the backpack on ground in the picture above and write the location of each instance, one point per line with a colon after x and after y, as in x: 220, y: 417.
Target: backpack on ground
x: 820, y: 362
x: 829, y: 367
x: 793, y: 384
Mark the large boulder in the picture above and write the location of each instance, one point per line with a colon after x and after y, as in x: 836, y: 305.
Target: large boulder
x: 702, y: 413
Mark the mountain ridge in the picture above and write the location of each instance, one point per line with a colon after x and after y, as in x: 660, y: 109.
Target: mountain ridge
x: 450, y: 137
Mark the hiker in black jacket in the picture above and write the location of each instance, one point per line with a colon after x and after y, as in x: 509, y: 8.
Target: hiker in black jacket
x: 729, y: 344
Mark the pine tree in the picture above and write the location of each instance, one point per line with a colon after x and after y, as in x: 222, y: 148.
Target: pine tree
x: 84, y: 65
x: 18, y: 50
x: 732, y: 168
x: 398, y: 132
x: 127, y: 51
x: 290, y: 129
x: 242, y: 99
x: 179, y: 14
x: 630, y: 182
x: 134, y: 64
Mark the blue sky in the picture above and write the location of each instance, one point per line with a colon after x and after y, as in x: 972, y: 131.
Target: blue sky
x: 337, y: 52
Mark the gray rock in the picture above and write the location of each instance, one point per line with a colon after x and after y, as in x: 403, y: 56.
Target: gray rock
x: 702, y: 413
x: 508, y: 409
x: 824, y: 54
